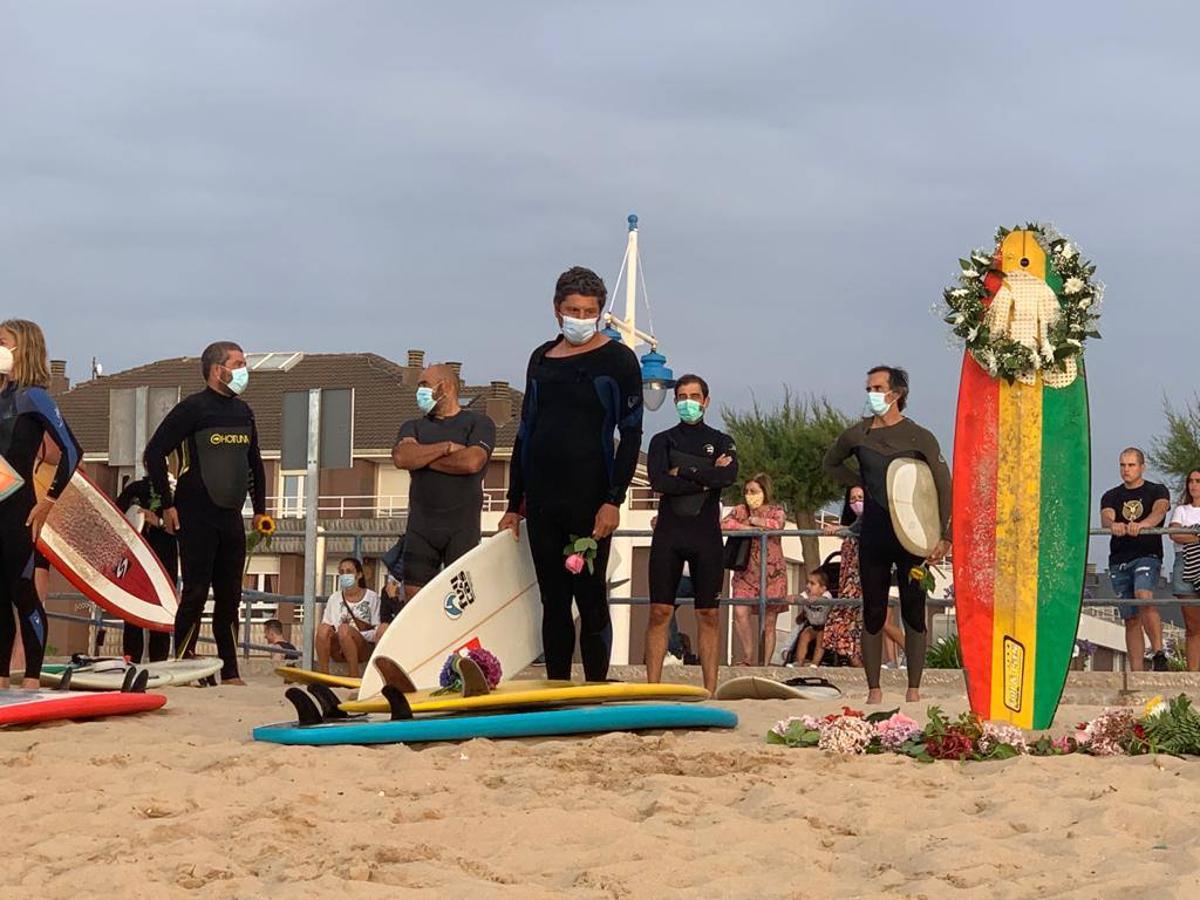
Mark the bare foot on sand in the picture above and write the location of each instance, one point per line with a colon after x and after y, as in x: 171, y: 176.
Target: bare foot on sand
x: 233, y: 681
x: 912, y: 695
x: 874, y: 696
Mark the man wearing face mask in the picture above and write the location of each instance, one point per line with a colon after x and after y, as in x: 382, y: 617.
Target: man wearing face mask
x: 884, y: 435
x: 689, y: 465
x: 568, y: 476
x: 446, y: 451
x: 213, y: 435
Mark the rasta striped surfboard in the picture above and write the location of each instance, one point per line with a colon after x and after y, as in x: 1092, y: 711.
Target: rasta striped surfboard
x: 1022, y: 481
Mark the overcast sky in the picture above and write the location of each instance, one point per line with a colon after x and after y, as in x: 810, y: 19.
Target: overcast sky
x: 379, y: 176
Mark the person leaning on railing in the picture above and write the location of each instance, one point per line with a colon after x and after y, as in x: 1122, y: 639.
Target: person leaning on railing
x: 757, y: 511
x: 1185, y: 578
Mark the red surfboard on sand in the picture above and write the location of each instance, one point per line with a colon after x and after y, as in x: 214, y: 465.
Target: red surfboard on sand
x: 29, y: 707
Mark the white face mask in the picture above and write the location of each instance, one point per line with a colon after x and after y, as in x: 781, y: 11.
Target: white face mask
x: 578, y: 331
x: 6, y: 361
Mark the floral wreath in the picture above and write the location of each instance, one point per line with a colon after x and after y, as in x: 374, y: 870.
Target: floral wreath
x: 1061, y: 340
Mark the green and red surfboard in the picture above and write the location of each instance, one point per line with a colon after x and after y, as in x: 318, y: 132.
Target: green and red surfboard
x: 1022, y: 482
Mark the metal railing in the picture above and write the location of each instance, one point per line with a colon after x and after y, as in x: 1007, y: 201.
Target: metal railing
x: 759, y: 603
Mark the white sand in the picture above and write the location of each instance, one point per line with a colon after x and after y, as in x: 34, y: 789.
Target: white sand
x: 182, y: 803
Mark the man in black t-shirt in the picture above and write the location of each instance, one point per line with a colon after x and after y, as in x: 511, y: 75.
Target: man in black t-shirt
x: 1135, y: 559
x: 446, y: 452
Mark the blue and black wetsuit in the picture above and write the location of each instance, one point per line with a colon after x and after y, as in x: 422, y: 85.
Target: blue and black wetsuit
x: 566, y: 465
x: 216, y: 441
x: 27, y: 415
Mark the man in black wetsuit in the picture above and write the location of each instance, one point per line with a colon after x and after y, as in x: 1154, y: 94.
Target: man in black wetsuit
x: 446, y: 451
x: 141, y: 493
x: 214, y: 435
x: 568, y: 478
x: 884, y: 435
x: 689, y: 465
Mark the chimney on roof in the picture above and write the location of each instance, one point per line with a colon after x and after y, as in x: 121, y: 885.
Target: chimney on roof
x: 59, y: 382
x: 499, y: 403
x: 456, y: 368
x: 412, y: 371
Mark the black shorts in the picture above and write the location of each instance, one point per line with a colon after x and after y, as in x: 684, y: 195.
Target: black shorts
x: 705, y: 559
x: 430, y: 546
x: 39, y: 560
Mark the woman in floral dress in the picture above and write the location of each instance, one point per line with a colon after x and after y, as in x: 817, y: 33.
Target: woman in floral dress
x: 757, y: 511
x: 843, y: 630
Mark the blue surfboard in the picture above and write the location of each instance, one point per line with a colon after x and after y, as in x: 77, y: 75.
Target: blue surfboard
x: 543, y: 723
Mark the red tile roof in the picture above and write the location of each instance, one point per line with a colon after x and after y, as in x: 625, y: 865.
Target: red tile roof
x: 382, y: 399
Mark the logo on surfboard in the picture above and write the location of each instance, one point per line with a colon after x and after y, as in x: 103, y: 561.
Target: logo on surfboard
x: 461, y: 595
x: 1014, y: 673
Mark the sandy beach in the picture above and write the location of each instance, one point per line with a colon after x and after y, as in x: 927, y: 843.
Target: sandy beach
x: 182, y: 803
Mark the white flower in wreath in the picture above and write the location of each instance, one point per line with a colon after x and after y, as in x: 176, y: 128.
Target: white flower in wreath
x: 1067, y: 251
x: 957, y: 320
x: 970, y: 272
x: 1073, y: 285
x: 971, y: 335
x: 959, y: 292
x: 1085, y: 302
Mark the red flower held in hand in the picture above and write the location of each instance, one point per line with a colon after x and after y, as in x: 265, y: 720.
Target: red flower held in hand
x: 574, y: 563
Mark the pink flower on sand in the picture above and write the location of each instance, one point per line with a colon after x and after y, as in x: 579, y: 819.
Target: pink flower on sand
x: 895, y: 731
x: 575, y: 563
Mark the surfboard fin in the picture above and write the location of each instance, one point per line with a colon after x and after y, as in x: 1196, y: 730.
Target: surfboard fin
x: 64, y: 682
x: 474, y: 681
x: 397, y: 703
x: 135, y: 681
x: 393, y: 673
x: 328, y: 702
x: 307, y: 711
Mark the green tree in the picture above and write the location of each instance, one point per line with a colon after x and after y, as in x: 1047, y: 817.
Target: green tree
x: 1178, y: 450
x: 789, y: 443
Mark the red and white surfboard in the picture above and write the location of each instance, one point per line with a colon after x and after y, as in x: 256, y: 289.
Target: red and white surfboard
x: 92, y: 544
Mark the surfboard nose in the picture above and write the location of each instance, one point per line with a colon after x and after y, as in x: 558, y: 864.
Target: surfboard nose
x: 1020, y: 252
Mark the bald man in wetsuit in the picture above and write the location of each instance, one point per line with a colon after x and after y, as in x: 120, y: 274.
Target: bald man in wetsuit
x: 445, y: 451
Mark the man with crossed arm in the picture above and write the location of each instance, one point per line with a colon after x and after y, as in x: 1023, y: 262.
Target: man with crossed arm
x: 446, y: 451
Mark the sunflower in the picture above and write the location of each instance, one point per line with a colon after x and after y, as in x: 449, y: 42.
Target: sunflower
x: 265, y: 526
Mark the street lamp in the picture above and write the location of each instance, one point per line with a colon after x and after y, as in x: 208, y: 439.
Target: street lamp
x: 657, y: 379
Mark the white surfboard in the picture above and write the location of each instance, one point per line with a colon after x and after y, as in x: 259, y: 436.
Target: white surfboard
x: 488, y: 598
x: 913, y: 502
x: 107, y: 675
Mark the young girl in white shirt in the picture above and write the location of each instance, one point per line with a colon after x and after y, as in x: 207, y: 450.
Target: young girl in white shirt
x: 1187, y: 515
x: 347, y: 630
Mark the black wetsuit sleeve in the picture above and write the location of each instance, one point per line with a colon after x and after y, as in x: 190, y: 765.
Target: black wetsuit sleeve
x: 174, y: 430
x: 715, y: 476
x: 658, y: 467
x: 927, y: 446
x: 42, y: 406
x: 483, y: 434
x: 129, y: 496
x: 258, y: 474
x: 835, y: 458
x: 516, y: 469
x: 629, y: 427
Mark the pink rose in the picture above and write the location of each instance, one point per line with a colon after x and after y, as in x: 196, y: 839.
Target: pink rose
x: 575, y: 563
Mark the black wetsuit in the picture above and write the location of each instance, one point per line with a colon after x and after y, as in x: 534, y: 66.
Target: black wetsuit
x: 443, y: 509
x: 216, y: 440
x: 879, y: 549
x: 27, y: 415
x: 689, y: 513
x: 565, y: 467
x: 166, y: 548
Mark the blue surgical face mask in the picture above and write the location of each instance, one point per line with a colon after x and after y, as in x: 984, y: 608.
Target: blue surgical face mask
x: 346, y: 581
x: 238, y: 379
x: 877, y: 402
x: 690, y: 411
x: 426, y: 401
x: 578, y: 331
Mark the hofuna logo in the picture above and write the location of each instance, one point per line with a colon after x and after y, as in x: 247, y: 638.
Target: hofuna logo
x: 217, y: 439
x: 461, y: 595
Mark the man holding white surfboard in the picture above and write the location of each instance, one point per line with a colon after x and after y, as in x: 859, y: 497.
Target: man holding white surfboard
x: 568, y: 477
x: 446, y: 452
x: 214, y: 436
x: 889, y: 540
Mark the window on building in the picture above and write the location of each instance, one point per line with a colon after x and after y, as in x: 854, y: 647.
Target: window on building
x: 291, y: 495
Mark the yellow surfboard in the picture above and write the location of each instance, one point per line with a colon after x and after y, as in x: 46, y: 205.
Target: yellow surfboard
x: 308, y: 676
x: 523, y: 694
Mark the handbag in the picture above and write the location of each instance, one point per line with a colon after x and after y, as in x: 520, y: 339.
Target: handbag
x: 737, y: 553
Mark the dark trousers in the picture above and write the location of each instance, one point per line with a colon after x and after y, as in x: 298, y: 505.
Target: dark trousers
x: 550, y: 530
x: 212, y: 551
x: 878, y: 555
x: 133, y: 643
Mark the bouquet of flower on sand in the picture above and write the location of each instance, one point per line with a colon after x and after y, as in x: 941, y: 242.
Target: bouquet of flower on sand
x: 1161, y: 726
